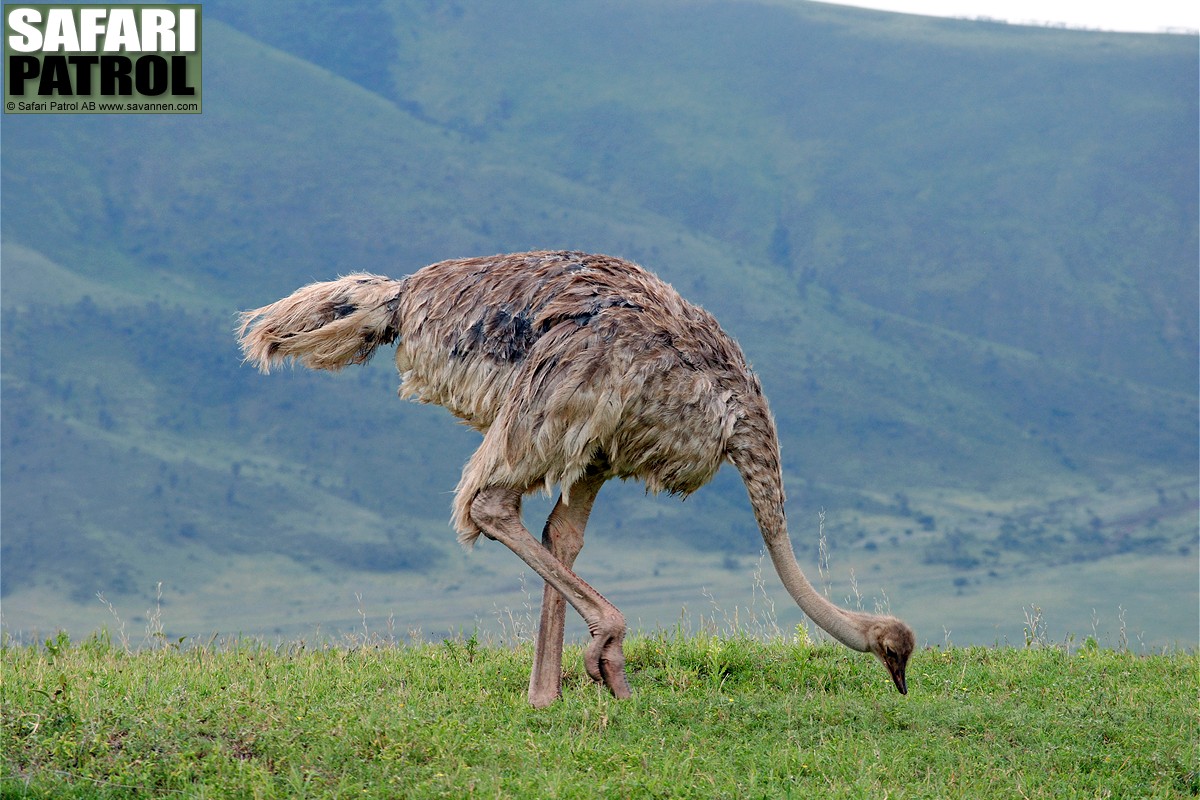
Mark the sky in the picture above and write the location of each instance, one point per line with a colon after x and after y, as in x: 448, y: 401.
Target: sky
x: 1146, y: 16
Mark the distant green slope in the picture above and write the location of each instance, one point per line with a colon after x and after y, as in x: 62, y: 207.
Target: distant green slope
x: 962, y: 257
x: 1031, y: 187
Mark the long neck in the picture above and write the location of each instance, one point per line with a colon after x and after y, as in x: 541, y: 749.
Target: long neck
x: 754, y: 450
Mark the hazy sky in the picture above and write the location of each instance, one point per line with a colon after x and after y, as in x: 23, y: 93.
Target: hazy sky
x: 1123, y: 15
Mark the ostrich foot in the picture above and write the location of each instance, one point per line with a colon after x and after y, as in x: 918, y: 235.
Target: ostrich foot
x: 604, y: 658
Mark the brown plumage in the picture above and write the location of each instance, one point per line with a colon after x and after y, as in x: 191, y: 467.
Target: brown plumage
x: 576, y: 368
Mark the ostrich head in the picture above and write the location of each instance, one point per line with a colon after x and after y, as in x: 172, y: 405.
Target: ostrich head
x: 892, y: 642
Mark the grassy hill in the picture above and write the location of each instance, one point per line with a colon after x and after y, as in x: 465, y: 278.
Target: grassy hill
x: 1005, y: 172
x: 962, y: 257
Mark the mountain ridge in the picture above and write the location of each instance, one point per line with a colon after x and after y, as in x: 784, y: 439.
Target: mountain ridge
x: 132, y: 434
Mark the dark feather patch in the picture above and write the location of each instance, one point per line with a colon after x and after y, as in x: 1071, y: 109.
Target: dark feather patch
x: 499, y: 334
x: 343, y: 310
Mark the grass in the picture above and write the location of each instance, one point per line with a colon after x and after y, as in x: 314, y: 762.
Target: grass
x: 727, y: 715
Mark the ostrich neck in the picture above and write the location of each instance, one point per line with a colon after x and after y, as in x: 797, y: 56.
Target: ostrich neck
x: 842, y: 625
x: 754, y: 450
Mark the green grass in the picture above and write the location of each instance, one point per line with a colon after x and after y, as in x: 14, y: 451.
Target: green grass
x: 712, y: 716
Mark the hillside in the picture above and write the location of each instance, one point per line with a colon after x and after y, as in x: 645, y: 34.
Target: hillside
x: 961, y: 256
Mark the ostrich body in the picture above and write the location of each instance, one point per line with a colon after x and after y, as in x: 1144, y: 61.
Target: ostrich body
x: 576, y: 368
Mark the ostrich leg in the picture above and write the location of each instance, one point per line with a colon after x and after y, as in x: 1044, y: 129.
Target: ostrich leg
x: 563, y: 537
x: 497, y: 511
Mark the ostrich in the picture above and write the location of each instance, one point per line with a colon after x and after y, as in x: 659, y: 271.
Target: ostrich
x: 576, y: 368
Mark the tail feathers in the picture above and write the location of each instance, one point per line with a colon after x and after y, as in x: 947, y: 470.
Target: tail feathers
x: 324, y: 325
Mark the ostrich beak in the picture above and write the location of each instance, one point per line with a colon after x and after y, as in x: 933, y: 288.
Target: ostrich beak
x: 895, y: 664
